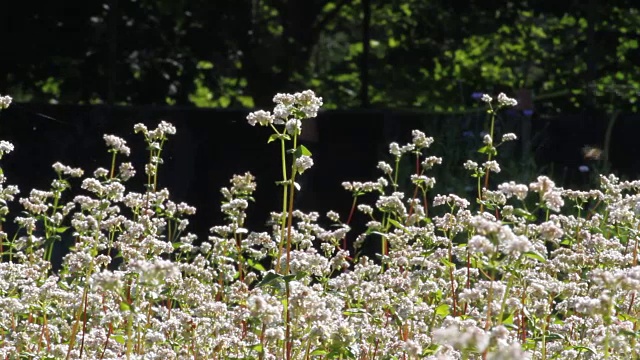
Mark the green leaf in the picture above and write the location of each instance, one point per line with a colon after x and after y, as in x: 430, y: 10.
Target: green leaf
x: 119, y: 338
x: 275, y: 137
x: 269, y: 278
x: 489, y: 150
x: 584, y: 348
x: 443, y: 310
x: 318, y: 352
x: 446, y: 262
x: 255, y: 265
x: 301, y: 150
x: 535, y: 255
x: 396, y: 224
x: 288, y: 278
x: 62, y: 229
x: 524, y: 214
x: 124, y: 306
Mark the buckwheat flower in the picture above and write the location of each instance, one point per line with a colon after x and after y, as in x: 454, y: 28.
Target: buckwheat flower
x: 93, y: 186
x: 514, y: 351
x: 509, y: 137
x: 293, y: 126
x: 495, y: 197
x: 365, y: 209
x: 333, y: 216
x: 140, y: 128
x: 511, y: 189
x: 303, y: 163
x: 486, y: 98
x: 407, y: 148
x: 5, y: 147
x: 430, y: 161
x: 281, y: 113
x: 549, y: 230
x: 412, y: 348
x: 150, y: 169
x: 553, y: 200
x: 451, y: 200
x: 420, y: 140
x: 126, y: 171
x: 503, y: 100
x: 542, y: 185
x: 385, y: 167
x: 470, y: 165
x: 243, y: 184
x: 284, y: 99
x: 261, y: 117
x: 470, y: 337
x: 394, y: 149
x: 487, y: 139
x: 513, y: 245
x: 481, y: 244
x: 391, y: 203
x: 492, y: 165
x: 308, y: 103
x: 100, y: 173
x: 5, y: 101
x: 117, y: 144
x: 166, y: 128
x: 274, y: 334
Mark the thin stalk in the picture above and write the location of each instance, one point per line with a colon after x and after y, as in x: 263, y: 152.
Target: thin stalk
x: 489, y: 157
x: 451, y: 278
x: 284, y: 201
x: 504, y: 299
x: 292, y: 189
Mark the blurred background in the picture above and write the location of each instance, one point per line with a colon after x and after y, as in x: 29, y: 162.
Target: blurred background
x: 419, y: 54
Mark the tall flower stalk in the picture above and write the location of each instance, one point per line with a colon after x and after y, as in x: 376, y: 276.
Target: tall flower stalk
x: 286, y: 123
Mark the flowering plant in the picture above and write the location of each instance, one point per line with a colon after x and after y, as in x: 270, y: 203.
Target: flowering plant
x: 522, y: 271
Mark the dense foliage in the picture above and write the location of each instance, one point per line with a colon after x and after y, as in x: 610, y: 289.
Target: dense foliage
x: 230, y: 53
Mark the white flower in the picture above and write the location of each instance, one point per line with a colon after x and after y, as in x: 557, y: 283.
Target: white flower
x: 386, y: 168
x: 308, y: 103
x: 486, y: 98
x: 470, y: 165
x: 5, y: 101
x: 293, y: 126
x: 420, y: 140
x: 262, y: 117
x: 509, y: 137
x: 503, y: 100
x: 492, y: 166
x: 117, y: 144
x: 394, y: 149
x: 284, y: 99
x: 303, y: 163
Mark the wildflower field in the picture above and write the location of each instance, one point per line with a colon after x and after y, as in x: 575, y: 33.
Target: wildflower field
x: 516, y: 271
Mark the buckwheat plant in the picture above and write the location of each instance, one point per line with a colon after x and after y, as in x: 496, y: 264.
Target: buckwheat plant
x: 534, y: 271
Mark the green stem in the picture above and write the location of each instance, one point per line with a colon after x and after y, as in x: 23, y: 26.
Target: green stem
x: 284, y: 201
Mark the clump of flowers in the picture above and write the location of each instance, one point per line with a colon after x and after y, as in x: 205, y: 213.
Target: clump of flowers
x: 522, y: 271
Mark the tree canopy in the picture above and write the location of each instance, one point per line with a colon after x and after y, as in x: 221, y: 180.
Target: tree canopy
x: 406, y: 53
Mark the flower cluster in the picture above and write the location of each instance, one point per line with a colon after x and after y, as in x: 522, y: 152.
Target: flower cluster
x: 5, y: 101
x: 289, y: 110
